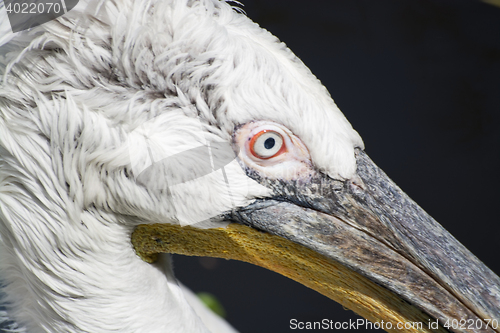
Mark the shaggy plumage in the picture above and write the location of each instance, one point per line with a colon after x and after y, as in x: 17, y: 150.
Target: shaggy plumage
x: 90, y: 100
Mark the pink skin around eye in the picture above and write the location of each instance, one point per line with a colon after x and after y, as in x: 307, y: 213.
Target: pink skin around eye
x: 291, y: 162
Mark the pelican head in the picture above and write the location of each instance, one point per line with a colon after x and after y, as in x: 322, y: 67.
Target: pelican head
x: 184, y: 126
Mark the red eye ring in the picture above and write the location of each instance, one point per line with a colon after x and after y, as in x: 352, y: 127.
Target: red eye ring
x: 267, y: 144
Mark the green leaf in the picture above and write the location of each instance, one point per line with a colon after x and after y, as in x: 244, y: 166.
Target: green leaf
x: 212, y: 303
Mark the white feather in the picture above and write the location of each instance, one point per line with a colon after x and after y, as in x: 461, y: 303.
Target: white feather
x: 6, y: 33
x: 77, y: 97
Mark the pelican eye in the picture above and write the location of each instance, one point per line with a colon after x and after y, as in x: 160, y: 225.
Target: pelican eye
x: 267, y: 144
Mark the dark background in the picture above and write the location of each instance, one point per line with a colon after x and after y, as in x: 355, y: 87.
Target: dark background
x: 420, y: 81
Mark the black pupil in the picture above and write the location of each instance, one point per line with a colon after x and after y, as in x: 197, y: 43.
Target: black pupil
x: 269, y: 143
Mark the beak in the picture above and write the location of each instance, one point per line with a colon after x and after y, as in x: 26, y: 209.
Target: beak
x: 362, y: 242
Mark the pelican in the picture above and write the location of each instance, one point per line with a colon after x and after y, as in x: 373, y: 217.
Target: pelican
x: 132, y: 127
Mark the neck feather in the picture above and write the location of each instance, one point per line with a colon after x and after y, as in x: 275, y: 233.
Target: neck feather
x: 66, y: 275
